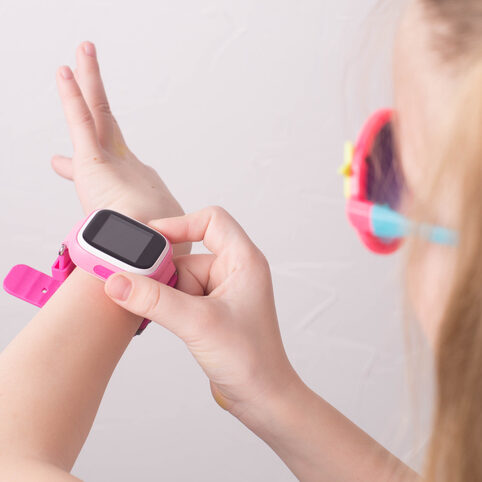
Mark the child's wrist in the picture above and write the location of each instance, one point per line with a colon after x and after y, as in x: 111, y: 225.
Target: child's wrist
x: 83, y: 285
x: 263, y: 414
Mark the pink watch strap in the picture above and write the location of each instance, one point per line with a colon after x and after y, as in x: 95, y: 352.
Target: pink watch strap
x: 36, y: 287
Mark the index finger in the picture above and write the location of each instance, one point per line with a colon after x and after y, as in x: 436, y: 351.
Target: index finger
x: 79, y: 119
x: 218, y: 230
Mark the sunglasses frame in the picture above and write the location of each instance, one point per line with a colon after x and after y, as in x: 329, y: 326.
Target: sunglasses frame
x: 380, y: 228
x: 355, y: 170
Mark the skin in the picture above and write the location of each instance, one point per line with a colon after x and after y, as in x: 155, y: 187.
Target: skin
x: 53, y: 376
x: 237, y: 343
x: 423, y: 89
x: 239, y: 347
x: 54, y: 373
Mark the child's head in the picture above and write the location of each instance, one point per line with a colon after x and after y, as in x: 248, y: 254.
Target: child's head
x: 438, y: 100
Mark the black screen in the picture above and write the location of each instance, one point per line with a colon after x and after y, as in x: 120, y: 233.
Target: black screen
x: 124, y: 239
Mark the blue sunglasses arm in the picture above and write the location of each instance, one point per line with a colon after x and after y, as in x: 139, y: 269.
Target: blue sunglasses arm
x: 439, y: 235
x: 389, y: 224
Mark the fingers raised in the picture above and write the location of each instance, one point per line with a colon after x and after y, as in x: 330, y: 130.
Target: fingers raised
x: 218, y: 230
x: 92, y: 87
x: 79, y: 119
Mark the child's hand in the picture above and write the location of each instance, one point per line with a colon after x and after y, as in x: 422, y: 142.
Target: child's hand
x: 223, y: 308
x: 105, y: 172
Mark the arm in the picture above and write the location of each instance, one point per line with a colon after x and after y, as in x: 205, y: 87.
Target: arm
x: 224, y: 311
x: 317, y: 442
x: 54, y: 373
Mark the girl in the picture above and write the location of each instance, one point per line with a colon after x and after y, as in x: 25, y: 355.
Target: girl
x: 224, y: 309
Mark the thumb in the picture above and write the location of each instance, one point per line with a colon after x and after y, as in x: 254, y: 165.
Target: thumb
x: 143, y: 296
x: 63, y: 166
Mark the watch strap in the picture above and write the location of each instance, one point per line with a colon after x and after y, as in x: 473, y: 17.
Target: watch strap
x: 36, y: 287
x: 30, y: 285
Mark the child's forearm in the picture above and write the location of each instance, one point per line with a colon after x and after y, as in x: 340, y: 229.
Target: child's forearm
x: 54, y: 373
x: 317, y: 442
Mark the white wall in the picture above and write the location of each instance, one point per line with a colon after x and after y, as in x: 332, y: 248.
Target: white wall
x: 241, y: 103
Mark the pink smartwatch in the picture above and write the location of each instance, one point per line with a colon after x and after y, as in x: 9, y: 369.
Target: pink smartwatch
x: 102, y: 244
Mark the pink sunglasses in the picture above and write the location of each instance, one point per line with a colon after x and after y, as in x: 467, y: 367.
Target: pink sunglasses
x: 374, y: 186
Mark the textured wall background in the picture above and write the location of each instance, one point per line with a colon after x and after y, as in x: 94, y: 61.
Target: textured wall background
x: 240, y: 103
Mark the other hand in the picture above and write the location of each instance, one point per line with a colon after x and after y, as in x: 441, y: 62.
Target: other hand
x: 223, y: 308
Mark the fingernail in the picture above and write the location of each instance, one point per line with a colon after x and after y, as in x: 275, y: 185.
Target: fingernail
x: 66, y: 73
x: 118, y: 287
x: 89, y: 49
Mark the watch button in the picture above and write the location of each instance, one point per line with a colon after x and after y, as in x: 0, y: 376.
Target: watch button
x: 102, y: 271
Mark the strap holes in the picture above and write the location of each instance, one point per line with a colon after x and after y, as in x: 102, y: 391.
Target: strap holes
x: 44, y: 290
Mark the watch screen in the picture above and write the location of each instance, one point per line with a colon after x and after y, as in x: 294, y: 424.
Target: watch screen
x: 124, y: 239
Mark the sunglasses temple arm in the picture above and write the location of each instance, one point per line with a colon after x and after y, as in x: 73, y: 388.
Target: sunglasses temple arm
x: 387, y: 223
x: 438, y: 235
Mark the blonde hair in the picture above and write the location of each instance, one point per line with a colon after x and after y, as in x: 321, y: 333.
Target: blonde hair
x: 455, y: 452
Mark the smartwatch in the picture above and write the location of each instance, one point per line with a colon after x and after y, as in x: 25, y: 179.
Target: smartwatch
x: 104, y: 243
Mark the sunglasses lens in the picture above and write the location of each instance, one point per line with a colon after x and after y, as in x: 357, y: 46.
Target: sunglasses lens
x: 384, y: 178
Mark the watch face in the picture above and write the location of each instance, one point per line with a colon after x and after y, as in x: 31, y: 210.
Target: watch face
x: 124, y: 239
